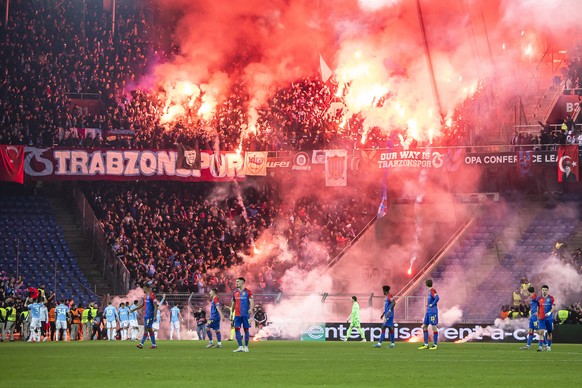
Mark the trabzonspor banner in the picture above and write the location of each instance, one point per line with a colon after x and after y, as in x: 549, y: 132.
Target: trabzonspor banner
x: 112, y: 164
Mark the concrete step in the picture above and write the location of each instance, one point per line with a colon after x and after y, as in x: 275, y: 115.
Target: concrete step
x: 79, y: 246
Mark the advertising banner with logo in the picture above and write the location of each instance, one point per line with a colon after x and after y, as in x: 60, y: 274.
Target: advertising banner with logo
x: 516, y: 331
x: 255, y: 163
x: 450, y: 159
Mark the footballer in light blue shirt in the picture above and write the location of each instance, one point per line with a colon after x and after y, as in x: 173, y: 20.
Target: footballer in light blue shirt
x: 123, y: 312
x: 62, y: 314
x: 175, y: 318
x: 110, y: 313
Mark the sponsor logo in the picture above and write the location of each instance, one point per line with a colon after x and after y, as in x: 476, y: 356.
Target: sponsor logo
x: 406, y: 331
x: 314, y: 333
x: 301, y: 162
x: 279, y: 164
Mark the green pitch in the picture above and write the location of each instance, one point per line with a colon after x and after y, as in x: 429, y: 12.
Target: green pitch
x: 285, y: 363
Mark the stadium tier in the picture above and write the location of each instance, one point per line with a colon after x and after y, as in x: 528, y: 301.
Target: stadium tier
x: 32, y: 245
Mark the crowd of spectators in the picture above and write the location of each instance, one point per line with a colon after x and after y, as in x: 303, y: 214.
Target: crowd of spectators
x: 185, y: 237
x: 53, y: 51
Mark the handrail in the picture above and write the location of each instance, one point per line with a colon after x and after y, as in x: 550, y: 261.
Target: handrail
x: 433, y: 261
x: 113, y: 267
x: 523, y: 91
x: 337, y: 258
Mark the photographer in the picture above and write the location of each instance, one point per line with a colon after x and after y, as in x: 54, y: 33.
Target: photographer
x: 260, y: 318
x: 200, y: 317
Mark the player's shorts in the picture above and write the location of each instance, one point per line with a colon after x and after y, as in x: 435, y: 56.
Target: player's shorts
x: 148, y: 322
x: 35, y: 323
x: 431, y: 319
x: 533, y: 323
x: 156, y: 326
x: 111, y: 325
x: 355, y: 323
x: 133, y: 323
x: 213, y: 324
x: 241, y: 321
x: 124, y: 324
x: 389, y: 322
x: 61, y: 325
x: 546, y: 324
x: 175, y: 325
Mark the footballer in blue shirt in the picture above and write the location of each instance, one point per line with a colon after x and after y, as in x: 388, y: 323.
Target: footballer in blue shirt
x: 431, y: 317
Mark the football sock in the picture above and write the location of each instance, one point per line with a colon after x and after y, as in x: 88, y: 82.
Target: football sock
x: 153, y: 338
x: 238, y: 337
x: 529, y: 339
x: 361, y: 332
x: 382, y: 337
x: 218, y: 337
x: 425, y: 334
x: 436, y: 338
x: 247, y: 337
x: 209, y: 334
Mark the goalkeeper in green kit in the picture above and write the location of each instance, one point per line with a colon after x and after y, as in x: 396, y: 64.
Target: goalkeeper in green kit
x: 355, y: 320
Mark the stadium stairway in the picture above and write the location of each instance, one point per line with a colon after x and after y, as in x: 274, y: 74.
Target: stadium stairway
x: 475, y: 266
x: 79, y: 246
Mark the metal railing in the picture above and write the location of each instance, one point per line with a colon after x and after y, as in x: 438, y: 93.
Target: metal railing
x: 84, y: 96
x: 112, y: 267
x: 323, y: 307
x: 416, y: 279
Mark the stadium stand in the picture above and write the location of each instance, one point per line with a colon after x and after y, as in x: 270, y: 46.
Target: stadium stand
x: 30, y: 233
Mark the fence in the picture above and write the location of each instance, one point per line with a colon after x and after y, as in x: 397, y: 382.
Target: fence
x: 305, y: 307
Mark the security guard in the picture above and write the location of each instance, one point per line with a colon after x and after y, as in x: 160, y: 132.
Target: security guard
x: 11, y: 315
x: 25, y: 322
x: 563, y: 316
x: 2, y: 321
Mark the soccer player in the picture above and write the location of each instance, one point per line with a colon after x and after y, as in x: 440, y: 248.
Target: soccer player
x: 151, y: 307
x: 157, y: 321
x: 243, y: 304
x: 546, y: 305
x: 133, y: 325
x: 110, y: 313
x: 387, y: 317
x: 44, y: 321
x: 214, y: 321
x: 62, y: 315
x: 123, y: 312
x: 175, y: 319
x: 355, y: 320
x: 533, y: 316
x: 431, y: 317
x: 34, y: 307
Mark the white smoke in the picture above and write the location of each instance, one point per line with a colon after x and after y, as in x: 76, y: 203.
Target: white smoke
x: 448, y: 317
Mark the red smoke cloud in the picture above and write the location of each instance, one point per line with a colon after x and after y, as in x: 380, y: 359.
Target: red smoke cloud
x: 374, y: 45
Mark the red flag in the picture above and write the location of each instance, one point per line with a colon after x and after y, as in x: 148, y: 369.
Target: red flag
x: 12, y: 163
x: 568, y: 169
